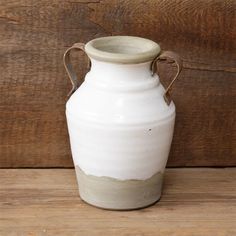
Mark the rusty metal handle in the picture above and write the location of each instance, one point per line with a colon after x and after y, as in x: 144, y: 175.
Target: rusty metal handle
x: 67, y: 63
x: 175, y: 58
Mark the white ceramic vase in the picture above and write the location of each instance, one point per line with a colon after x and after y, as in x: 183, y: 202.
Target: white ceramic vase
x: 121, y: 121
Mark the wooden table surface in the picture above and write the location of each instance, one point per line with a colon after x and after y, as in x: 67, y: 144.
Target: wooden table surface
x: 195, y: 201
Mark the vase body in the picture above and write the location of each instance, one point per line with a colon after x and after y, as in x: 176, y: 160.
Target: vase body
x: 120, y: 129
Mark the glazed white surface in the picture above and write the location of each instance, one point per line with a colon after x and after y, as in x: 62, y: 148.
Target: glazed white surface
x: 119, y: 124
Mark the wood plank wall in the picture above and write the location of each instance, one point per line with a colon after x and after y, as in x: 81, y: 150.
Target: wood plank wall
x: 33, y: 83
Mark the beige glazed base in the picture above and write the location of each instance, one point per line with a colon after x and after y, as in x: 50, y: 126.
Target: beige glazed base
x: 113, y: 194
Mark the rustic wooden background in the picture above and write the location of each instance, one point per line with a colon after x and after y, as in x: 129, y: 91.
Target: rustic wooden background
x: 34, y: 35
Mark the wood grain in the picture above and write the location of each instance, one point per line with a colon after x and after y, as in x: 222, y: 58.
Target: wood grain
x: 33, y: 85
x: 46, y: 202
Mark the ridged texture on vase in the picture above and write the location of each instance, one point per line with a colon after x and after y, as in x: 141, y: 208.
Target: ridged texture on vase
x: 120, y: 152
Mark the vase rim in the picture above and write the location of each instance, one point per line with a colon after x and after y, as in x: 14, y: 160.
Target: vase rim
x: 122, y: 49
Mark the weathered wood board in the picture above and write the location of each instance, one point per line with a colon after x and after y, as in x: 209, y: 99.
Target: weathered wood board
x: 33, y: 83
x: 44, y: 202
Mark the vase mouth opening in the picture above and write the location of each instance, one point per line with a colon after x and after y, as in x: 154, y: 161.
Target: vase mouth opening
x: 122, y: 49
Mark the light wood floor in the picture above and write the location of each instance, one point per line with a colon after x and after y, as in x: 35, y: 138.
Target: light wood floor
x: 195, y: 201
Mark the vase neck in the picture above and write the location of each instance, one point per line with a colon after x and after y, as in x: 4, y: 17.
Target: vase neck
x: 120, y: 72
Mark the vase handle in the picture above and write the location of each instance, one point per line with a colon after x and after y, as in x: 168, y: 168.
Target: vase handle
x: 175, y: 58
x: 67, y: 63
